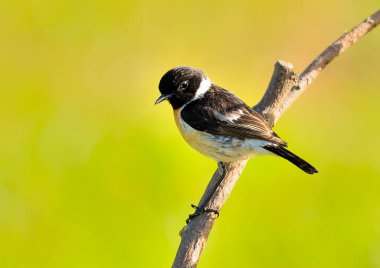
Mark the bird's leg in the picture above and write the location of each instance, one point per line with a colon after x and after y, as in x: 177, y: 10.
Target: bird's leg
x: 199, y: 210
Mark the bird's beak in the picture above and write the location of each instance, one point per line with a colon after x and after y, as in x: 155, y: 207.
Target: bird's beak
x: 162, y: 98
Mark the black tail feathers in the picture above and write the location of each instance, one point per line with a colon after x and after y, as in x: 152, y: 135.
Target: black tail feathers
x: 281, y: 151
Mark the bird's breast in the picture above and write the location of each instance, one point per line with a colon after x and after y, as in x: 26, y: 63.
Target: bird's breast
x: 191, y: 135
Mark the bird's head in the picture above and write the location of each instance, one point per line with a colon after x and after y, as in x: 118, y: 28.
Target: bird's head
x: 181, y: 85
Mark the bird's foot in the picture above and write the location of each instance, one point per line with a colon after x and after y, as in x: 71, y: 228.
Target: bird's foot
x: 199, y: 211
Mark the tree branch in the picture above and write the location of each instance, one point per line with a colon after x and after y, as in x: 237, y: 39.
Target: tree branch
x: 285, y: 86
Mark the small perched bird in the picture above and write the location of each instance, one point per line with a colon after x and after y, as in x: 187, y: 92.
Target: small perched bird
x: 217, y: 123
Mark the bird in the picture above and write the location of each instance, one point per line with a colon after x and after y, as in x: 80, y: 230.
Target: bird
x: 217, y: 123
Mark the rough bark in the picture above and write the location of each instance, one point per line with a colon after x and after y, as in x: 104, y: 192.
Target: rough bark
x: 284, y: 87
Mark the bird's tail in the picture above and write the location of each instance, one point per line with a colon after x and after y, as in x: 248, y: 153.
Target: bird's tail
x: 284, y: 153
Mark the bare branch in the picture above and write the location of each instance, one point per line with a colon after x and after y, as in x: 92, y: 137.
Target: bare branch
x: 330, y: 53
x: 280, y: 85
x: 196, y: 232
x: 285, y: 86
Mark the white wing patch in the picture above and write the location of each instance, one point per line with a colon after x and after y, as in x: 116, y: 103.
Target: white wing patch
x: 229, y: 117
x: 236, y: 115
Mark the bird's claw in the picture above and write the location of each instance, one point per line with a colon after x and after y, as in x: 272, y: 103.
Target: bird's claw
x: 199, y: 211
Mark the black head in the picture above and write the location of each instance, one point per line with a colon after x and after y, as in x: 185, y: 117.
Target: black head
x: 182, y: 84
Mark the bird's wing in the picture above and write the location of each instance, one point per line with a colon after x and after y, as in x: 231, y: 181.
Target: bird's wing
x: 220, y: 112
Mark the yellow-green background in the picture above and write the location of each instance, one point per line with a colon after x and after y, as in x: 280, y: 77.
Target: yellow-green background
x: 92, y: 174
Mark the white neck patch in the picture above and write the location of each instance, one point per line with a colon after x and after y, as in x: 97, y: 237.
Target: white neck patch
x: 203, y: 88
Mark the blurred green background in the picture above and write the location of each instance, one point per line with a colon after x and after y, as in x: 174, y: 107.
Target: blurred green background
x: 92, y: 174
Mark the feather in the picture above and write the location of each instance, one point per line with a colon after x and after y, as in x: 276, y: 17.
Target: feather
x: 220, y: 112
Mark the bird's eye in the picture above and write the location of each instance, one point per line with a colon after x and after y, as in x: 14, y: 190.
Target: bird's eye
x: 183, y: 85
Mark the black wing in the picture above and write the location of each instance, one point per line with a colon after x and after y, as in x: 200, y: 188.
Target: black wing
x: 219, y: 112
